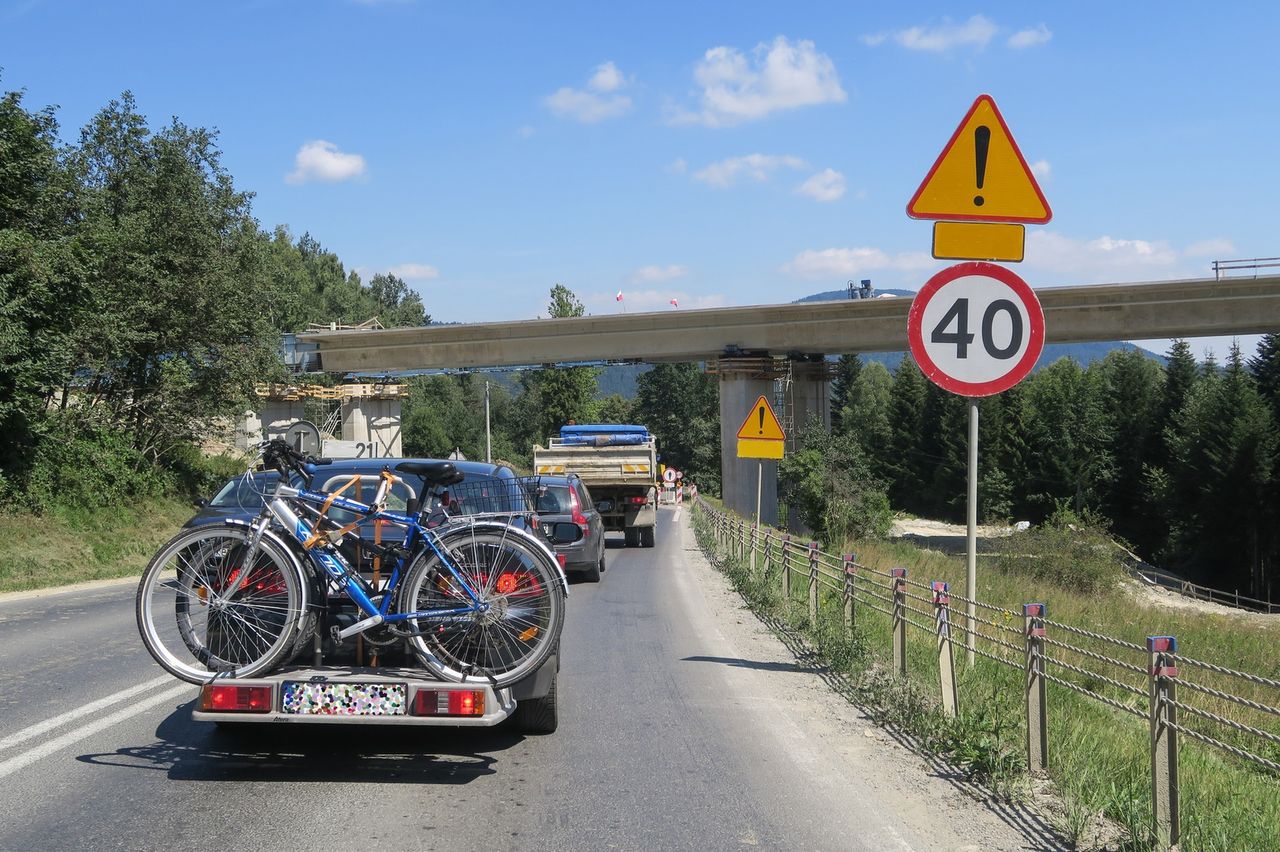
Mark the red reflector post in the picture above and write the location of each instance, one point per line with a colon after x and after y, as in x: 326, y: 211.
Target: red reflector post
x: 218, y: 698
x: 430, y: 702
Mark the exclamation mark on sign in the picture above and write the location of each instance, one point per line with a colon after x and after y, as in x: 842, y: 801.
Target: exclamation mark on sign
x: 760, y: 428
x: 981, y: 142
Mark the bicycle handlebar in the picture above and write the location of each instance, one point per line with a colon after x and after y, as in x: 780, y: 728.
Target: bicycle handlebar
x: 279, y: 456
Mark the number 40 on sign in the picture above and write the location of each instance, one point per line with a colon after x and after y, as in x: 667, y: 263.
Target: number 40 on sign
x: 976, y: 329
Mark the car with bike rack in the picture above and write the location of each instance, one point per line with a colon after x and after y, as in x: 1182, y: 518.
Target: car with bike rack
x: 440, y: 607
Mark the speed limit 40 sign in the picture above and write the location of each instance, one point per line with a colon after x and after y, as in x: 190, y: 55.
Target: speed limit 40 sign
x: 976, y: 329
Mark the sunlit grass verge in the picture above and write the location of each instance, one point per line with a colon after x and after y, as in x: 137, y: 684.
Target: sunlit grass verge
x: 1098, y: 757
x: 66, y: 546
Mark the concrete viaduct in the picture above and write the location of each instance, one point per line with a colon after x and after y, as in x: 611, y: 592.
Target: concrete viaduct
x: 749, y: 347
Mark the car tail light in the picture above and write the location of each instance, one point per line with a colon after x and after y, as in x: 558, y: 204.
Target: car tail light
x: 639, y: 501
x: 562, y: 559
x: 448, y: 702
x: 576, y: 508
x: 235, y: 699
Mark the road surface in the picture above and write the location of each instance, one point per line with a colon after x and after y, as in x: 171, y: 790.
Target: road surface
x: 684, y: 725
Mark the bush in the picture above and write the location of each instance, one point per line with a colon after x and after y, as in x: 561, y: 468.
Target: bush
x: 81, y: 464
x: 830, y: 485
x: 1074, y: 551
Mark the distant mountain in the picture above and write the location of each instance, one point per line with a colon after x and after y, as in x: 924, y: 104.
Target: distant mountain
x: 1082, y: 353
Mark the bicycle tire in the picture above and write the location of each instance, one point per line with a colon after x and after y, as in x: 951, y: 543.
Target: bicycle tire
x: 524, y: 587
x: 201, y: 612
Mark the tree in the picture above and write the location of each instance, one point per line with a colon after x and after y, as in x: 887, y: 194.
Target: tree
x: 848, y: 367
x: 902, y: 463
x: 830, y: 483
x: 681, y: 406
x: 552, y: 396
x: 866, y: 413
x: 1069, y: 438
x: 1132, y: 395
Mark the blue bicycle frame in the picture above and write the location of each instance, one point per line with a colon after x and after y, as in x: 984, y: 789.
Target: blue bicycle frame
x: 337, y: 568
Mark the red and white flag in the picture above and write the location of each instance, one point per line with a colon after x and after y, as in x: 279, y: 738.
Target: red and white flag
x: 675, y: 303
x: 618, y: 298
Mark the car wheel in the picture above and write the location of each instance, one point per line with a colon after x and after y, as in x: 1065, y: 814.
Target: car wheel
x: 646, y: 537
x: 602, y: 565
x: 538, y: 715
x: 592, y: 574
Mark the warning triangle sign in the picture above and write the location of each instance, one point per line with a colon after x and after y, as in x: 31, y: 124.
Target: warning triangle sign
x: 761, y: 423
x: 980, y: 175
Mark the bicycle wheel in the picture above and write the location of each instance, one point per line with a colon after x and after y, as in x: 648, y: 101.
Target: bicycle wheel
x: 203, y: 611
x: 522, y: 587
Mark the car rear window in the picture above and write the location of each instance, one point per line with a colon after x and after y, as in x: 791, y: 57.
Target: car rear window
x: 554, y: 500
x: 247, y: 492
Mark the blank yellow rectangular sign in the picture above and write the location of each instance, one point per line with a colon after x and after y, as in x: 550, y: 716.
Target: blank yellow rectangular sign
x: 978, y: 241
x: 755, y: 448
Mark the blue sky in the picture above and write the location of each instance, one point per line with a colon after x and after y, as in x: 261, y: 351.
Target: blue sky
x: 727, y: 154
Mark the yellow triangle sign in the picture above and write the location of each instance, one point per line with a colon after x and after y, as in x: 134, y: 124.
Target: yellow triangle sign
x: 980, y: 175
x: 761, y: 423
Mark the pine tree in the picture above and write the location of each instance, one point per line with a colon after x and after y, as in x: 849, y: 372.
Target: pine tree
x: 848, y: 369
x: 899, y: 463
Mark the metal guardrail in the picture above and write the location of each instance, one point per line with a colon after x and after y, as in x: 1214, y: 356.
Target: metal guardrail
x: 1216, y: 706
x: 1221, y: 267
x: 1194, y: 590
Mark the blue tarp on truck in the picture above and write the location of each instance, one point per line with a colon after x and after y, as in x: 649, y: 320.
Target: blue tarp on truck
x: 604, y: 435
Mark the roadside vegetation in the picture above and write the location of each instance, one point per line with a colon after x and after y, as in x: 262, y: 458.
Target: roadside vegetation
x: 1099, y: 757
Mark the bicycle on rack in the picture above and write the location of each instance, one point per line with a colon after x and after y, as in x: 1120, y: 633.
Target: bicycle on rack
x: 478, y: 599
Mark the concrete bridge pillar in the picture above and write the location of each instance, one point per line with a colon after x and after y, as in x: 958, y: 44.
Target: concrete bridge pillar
x: 373, y: 420
x: 742, y: 382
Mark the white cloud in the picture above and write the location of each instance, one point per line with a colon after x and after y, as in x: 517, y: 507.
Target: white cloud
x: 595, y: 103
x: 758, y: 167
x: 678, y: 166
x: 777, y: 76
x: 322, y: 161
x: 1030, y: 37
x: 844, y: 262
x: 1042, y: 169
x: 657, y: 274
x: 976, y: 33
x: 414, y: 271
x: 826, y: 185
x: 1218, y: 249
x: 1101, y: 260
x: 525, y: 131
x: 606, y: 79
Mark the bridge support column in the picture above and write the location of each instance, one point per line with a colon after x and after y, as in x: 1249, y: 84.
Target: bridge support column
x: 373, y: 420
x: 808, y: 397
x: 742, y: 382
x: 273, y: 419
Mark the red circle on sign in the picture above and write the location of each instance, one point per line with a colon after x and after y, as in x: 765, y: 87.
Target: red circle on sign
x: 1035, y: 333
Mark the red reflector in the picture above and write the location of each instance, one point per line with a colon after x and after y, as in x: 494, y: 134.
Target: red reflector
x: 562, y: 559
x: 448, y: 702
x: 639, y: 500
x: 235, y: 699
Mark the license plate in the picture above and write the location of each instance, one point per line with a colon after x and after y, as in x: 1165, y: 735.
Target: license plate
x: 304, y: 698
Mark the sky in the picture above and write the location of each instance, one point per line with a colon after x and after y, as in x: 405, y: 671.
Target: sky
x: 715, y: 154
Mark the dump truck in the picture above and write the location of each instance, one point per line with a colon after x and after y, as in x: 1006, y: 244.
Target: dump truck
x: 619, y: 466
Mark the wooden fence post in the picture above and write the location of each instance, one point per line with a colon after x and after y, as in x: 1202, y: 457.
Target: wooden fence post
x: 786, y: 568
x: 850, y: 567
x: 898, y: 582
x: 946, y: 662
x: 813, y: 584
x: 1033, y: 616
x: 1163, y: 676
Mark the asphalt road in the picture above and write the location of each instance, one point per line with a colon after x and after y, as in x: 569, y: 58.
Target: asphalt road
x: 669, y: 739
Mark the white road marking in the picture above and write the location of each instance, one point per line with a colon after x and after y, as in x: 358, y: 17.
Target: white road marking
x: 30, y: 756
x: 92, y: 707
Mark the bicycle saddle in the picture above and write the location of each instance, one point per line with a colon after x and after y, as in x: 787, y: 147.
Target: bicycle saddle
x: 434, y: 473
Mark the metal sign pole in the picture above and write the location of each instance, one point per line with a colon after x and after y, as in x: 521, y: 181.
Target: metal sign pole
x: 971, y: 580
x: 488, y: 439
x: 759, y: 480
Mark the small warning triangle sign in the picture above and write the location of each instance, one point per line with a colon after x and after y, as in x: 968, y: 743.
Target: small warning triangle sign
x: 761, y: 423
x: 980, y: 175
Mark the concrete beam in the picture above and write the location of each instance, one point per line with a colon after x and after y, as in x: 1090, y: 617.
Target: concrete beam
x: 1198, y: 307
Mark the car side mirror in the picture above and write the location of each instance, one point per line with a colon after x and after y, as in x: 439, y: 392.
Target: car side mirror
x: 566, y: 533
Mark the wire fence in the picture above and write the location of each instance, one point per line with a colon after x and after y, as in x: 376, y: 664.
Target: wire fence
x: 1232, y: 712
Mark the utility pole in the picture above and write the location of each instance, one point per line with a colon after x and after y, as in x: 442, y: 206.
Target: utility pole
x: 488, y: 440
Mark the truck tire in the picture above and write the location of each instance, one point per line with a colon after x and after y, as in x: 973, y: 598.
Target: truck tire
x: 633, y: 537
x: 538, y: 715
x: 646, y: 536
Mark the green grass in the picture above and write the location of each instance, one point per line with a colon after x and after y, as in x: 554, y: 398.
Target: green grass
x: 1098, y: 756
x: 70, y: 546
